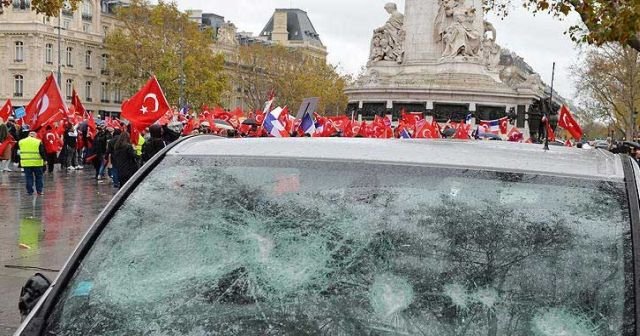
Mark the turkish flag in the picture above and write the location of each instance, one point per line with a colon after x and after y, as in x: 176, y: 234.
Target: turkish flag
x: 426, y: 130
x: 504, y: 124
x: 340, y: 122
x: 5, y: 111
x: 8, y: 141
x: 91, y: 125
x: 77, y: 104
x: 146, y: 106
x: 47, y: 106
x: 568, y: 122
x: 366, y: 130
x: 382, y: 128
x: 550, y: 134
x: 462, y: 133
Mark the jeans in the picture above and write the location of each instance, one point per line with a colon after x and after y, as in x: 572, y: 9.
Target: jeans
x: 98, y: 163
x: 29, y: 174
x: 71, y: 160
x: 115, y: 177
x: 103, y: 167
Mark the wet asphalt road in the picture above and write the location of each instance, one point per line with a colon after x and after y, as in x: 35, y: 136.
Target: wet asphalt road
x: 41, y: 232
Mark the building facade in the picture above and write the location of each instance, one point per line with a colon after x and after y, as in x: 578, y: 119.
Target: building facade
x: 291, y: 28
x: 32, y: 47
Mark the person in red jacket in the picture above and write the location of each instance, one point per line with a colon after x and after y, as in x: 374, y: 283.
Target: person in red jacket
x: 51, y: 147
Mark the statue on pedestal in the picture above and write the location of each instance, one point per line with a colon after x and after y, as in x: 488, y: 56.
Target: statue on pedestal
x: 227, y: 34
x: 455, y: 29
x: 387, y: 43
x: 490, y: 49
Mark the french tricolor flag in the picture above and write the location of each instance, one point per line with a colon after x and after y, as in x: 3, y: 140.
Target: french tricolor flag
x: 308, y: 125
x: 273, y: 126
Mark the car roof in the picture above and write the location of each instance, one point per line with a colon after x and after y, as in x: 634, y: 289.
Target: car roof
x: 478, y: 155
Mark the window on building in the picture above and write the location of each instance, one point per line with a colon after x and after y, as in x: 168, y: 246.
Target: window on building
x: 19, y: 55
x: 87, y: 59
x: 66, y: 24
x: 69, y: 88
x: 86, y: 27
x: 48, y: 53
x: 104, y: 92
x: 18, y: 85
x: 87, y: 10
x: 70, y: 57
x: 117, y: 95
x: 103, y: 64
x: 87, y: 91
x: 105, y: 30
x: 21, y: 4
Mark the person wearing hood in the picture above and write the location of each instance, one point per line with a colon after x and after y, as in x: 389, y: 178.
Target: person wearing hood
x: 172, y: 132
x: 154, y: 145
x: 124, y: 158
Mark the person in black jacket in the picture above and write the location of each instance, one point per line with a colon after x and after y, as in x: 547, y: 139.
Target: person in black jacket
x: 171, y: 132
x: 124, y: 158
x: 111, y: 169
x: 100, y: 150
x: 70, y: 141
x: 154, y: 145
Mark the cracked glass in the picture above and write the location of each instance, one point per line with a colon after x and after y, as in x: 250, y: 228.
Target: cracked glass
x: 252, y: 246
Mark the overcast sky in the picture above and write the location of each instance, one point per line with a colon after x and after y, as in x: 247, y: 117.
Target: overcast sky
x: 345, y: 27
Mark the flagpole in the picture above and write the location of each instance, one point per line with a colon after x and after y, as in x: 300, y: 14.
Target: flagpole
x: 546, y: 137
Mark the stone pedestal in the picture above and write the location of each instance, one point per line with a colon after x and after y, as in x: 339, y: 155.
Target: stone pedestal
x: 420, y: 46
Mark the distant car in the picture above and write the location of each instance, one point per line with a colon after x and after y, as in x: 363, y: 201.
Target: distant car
x: 358, y: 237
x: 601, y: 144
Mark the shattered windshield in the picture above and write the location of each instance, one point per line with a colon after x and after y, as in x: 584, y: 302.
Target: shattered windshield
x: 230, y: 246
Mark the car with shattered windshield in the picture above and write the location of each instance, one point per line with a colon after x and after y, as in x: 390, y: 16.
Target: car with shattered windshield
x: 357, y: 237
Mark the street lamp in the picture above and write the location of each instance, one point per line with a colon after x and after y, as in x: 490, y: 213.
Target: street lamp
x: 59, y: 27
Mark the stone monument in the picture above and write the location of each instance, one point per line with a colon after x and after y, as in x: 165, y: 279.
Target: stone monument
x: 440, y: 57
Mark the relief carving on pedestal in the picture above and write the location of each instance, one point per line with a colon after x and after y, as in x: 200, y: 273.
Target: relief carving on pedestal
x: 387, y: 43
x: 454, y: 27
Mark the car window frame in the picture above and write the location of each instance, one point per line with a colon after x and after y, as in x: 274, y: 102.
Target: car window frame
x: 631, y: 178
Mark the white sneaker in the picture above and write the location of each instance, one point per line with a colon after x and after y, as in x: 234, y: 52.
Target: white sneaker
x: 70, y: 168
x: 80, y: 167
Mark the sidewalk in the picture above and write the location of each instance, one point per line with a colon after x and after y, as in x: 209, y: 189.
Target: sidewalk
x: 39, y: 232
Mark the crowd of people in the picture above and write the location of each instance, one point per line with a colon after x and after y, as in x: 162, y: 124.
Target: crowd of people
x: 107, y: 149
x: 116, y: 150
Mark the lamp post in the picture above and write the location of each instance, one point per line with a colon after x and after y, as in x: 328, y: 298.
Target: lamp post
x: 547, y: 113
x: 59, y: 27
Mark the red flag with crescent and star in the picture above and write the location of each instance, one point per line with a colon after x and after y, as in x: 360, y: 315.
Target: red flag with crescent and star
x: 5, y: 111
x: 147, y: 106
x: 568, y: 122
x: 47, y: 106
x: 77, y: 104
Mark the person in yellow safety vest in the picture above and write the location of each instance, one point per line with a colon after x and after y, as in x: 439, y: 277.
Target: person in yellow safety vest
x: 32, y: 156
x: 139, y: 145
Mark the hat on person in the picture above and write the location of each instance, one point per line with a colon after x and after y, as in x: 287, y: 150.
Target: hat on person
x: 11, y: 119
